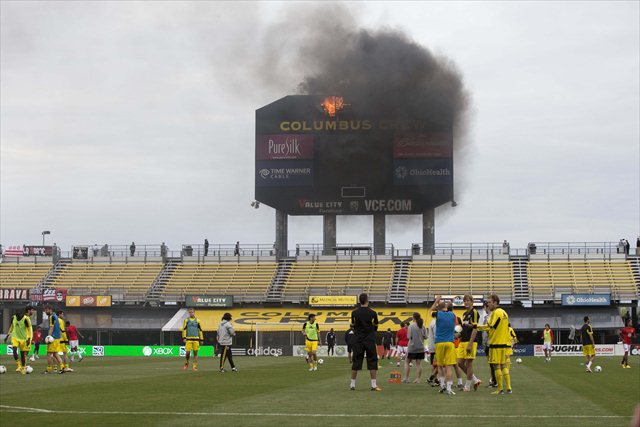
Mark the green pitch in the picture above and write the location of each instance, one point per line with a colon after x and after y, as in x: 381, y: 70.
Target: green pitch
x: 279, y: 391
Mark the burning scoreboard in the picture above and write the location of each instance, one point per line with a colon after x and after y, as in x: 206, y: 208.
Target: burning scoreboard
x: 320, y: 155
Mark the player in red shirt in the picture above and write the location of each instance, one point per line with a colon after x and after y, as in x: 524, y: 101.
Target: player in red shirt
x: 628, y: 333
x: 402, y: 342
x: 37, y: 338
x: 72, y: 335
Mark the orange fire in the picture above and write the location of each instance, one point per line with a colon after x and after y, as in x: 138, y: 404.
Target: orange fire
x: 332, y: 104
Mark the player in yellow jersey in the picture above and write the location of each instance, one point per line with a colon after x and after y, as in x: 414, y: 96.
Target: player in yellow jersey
x: 192, y: 337
x: 64, y: 343
x: 311, y: 332
x: 588, y: 343
x: 21, y: 333
x: 514, y: 341
x: 499, y: 342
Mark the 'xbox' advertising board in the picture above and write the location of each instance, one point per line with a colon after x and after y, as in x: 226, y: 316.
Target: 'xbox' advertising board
x: 128, y: 350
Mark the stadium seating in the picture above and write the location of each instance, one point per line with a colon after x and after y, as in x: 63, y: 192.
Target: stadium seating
x: 246, y: 281
x: 126, y: 281
x: 426, y: 279
x: 22, y: 276
x: 339, y: 278
x: 550, y: 279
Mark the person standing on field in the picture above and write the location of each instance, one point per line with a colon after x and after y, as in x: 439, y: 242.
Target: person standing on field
x: 331, y: 343
x: 365, y: 325
x: 192, y: 338
x: 547, y: 342
x: 225, y: 339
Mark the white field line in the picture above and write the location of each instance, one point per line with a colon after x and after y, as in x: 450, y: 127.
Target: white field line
x: 7, y: 408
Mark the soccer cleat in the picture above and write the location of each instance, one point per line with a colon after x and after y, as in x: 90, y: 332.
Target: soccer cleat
x: 376, y: 388
x: 311, y: 369
x: 450, y: 392
x: 622, y: 365
x: 195, y: 368
x: 80, y: 358
x: 222, y: 370
x: 498, y: 392
x: 352, y: 388
x: 466, y: 389
x: 19, y: 368
x: 628, y: 367
x: 185, y: 367
x: 442, y: 390
x: 476, y: 385
x: 460, y: 386
x: 23, y: 371
x: 46, y: 372
x: 589, y: 370
x: 61, y: 371
x: 416, y: 381
x: 67, y: 370
x: 234, y: 369
x: 315, y: 368
x: 72, y: 359
x: 509, y: 391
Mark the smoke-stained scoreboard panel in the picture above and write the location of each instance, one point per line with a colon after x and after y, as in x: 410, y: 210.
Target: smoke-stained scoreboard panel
x: 317, y: 155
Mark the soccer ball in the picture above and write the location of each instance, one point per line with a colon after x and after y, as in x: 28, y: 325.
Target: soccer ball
x: 458, y: 329
x: 3, y: 369
x: 598, y: 368
x: 28, y: 369
x: 48, y: 339
x: 320, y: 361
x: 518, y: 360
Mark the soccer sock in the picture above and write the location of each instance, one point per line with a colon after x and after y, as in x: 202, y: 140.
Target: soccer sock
x: 589, y: 365
x: 49, y: 368
x: 459, y: 381
x: 195, y: 365
x: 507, y: 377
x: 374, y: 384
x: 467, y: 384
x: 18, y: 363
x: 353, y: 383
x: 443, y: 384
x: 449, y: 383
x: 493, y: 375
x: 474, y: 379
x: 498, y: 373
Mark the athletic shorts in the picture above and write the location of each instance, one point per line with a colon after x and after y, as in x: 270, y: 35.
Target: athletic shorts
x: 461, y: 351
x: 349, y: 349
x: 626, y: 347
x: 362, y: 349
x: 63, y: 347
x: 20, y: 344
x: 402, y: 350
x: 73, y: 344
x: 311, y: 346
x: 498, y: 355
x: 445, y: 354
x: 416, y: 356
x: 588, y: 350
x: 546, y: 346
x: 192, y: 345
x: 386, y: 346
x: 509, y: 351
x: 54, y: 347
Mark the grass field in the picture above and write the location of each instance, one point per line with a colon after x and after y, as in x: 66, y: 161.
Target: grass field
x: 279, y: 391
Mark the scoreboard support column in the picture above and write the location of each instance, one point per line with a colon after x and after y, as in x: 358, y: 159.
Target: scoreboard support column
x: 328, y: 234
x: 379, y: 231
x: 282, y: 234
x: 428, y: 231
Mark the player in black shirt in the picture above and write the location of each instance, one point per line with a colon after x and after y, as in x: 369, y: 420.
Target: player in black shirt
x: 331, y: 342
x: 365, y: 325
x: 387, y: 341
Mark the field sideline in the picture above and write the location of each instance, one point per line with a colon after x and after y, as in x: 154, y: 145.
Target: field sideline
x: 279, y: 391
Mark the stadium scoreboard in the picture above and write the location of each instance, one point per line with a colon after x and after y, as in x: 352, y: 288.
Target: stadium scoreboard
x: 318, y: 155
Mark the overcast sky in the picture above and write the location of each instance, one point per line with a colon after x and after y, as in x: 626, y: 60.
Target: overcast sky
x: 127, y: 121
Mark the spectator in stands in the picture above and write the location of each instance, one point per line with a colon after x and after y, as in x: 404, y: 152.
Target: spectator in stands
x: 163, y: 250
x: 206, y: 247
x: 132, y: 248
x: 236, y: 251
x: 627, y: 246
x: 104, y: 251
x: 505, y: 248
x: 638, y: 246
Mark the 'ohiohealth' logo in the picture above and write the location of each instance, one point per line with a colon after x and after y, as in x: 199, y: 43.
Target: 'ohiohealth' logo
x: 571, y: 300
x: 401, y: 172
